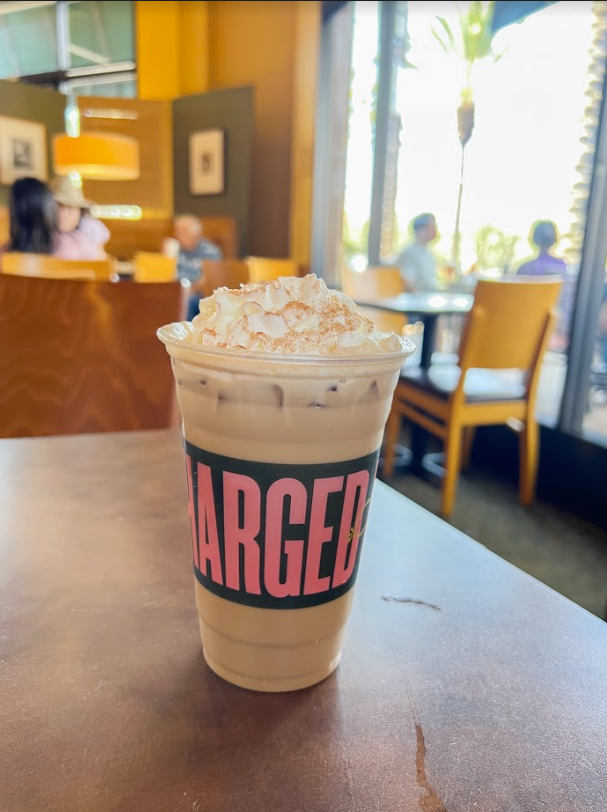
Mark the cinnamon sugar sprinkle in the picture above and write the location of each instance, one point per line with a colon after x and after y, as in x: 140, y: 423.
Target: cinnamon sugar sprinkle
x: 287, y: 316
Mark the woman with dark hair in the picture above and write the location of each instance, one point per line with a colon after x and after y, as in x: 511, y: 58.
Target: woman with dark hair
x: 33, y: 217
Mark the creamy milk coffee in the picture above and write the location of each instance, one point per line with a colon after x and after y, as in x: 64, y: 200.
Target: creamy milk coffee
x: 284, y: 390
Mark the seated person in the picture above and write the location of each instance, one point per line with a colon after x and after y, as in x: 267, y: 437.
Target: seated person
x: 416, y: 262
x: 79, y: 236
x: 33, y: 217
x: 193, y: 250
x: 544, y: 237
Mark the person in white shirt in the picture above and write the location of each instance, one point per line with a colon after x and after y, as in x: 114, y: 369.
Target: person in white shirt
x: 416, y: 262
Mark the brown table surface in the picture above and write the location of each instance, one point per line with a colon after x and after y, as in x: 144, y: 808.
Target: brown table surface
x: 492, y: 699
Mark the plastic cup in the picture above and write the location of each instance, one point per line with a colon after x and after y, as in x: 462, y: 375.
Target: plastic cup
x: 281, y: 454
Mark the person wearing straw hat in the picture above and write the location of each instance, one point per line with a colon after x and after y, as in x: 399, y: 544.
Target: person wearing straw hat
x: 80, y: 236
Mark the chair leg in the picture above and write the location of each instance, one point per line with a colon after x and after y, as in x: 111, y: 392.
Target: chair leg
x: 529, y: 455
x: 453, y: 446
x: 467, y: 443
x: 390, y: 440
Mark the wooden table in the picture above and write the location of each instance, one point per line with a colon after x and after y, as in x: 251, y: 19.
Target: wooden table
x: 427, y: 307
x: 483, y: 691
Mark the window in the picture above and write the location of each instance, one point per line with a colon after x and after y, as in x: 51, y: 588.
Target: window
x: 100, y: 33
x: 28, y: 40
x: 530, y: 152
x: 60, y: 44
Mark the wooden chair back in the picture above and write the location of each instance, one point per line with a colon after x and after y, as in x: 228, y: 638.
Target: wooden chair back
x: 42, y: 265
x: 266, y: 270
x: 507, y: 324
x: 83, y: 357
x: 223, y: 231
x: 377, y: 282
x: 224, y: 273
x: 151, y: 267
x: 385, y: 322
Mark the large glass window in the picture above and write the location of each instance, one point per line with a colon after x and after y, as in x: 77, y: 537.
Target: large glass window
x: 100, y: 32
x: 520, y: 164
x: 28, y: 40
x: 62, y: 43
x: 494, y: 131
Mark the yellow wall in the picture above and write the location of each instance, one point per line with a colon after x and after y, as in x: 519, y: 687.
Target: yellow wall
x: 307, y: 56
x: 172, y: 48
x: 252, y: 43
x: 191, y: 47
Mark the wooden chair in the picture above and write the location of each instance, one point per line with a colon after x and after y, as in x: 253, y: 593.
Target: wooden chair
x: 41, y: 265
x: 266, y: 270
x: 83, y: 357
x: 228, y: 273
x: 223, y: 231
x: 507, y: 329
x: 377, y: 282
x: 150, y: 267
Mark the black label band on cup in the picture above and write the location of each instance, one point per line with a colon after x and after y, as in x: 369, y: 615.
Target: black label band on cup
x: 277, y: 536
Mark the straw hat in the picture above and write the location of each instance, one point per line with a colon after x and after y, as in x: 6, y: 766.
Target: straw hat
x: 66, y: 193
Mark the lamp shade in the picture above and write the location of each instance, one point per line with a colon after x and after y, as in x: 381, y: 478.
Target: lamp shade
x: 97, y: 156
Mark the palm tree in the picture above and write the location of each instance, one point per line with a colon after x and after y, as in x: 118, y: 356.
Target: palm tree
x: 472, y: 43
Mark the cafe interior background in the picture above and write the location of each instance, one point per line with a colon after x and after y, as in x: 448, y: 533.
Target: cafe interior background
x: 338, y: 125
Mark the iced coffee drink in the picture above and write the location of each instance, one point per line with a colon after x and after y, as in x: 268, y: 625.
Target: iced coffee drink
x: 284, y: 388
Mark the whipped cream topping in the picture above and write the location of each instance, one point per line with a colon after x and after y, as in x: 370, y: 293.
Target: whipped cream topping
x: 291, y: 316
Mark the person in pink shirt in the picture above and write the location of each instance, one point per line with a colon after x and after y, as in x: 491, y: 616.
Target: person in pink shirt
x: 80, y: 236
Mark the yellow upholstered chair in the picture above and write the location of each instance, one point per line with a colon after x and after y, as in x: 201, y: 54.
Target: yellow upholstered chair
x: 507, y: 330
x: 266, y: 270
x: 47, y: 267
x: 377, y: 282
x: 150, y: 267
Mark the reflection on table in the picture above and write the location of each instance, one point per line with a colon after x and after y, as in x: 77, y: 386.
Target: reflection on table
x: 427, y: 307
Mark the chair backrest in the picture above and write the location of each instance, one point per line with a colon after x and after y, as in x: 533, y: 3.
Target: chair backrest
x: 223, y: 231
x: 150, y: 267
x: 83, y: 356
x: 266, y: 270
x: 42, y: 265
x: 507, y: 324
x: 377, y: 282
x: 383, y: 321
x: 224, y: 273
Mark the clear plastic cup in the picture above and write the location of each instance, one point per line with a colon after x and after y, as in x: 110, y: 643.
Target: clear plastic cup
x: 281, y: 455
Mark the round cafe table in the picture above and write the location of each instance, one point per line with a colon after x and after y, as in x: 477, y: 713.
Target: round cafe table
x: 425, y: 307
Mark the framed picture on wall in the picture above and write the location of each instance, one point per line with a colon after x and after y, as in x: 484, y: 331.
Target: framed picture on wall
x: 207, y: 162
x: 22, y: 150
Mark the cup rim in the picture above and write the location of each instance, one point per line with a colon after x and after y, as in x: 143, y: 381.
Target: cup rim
x: 174, y: 335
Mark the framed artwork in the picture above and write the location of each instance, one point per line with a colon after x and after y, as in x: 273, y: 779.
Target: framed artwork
x: 22, y: 150
x: 207, y: 162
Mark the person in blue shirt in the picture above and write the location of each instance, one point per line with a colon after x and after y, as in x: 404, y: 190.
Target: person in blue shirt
x: 193, y: 250
x: 544, y: 237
